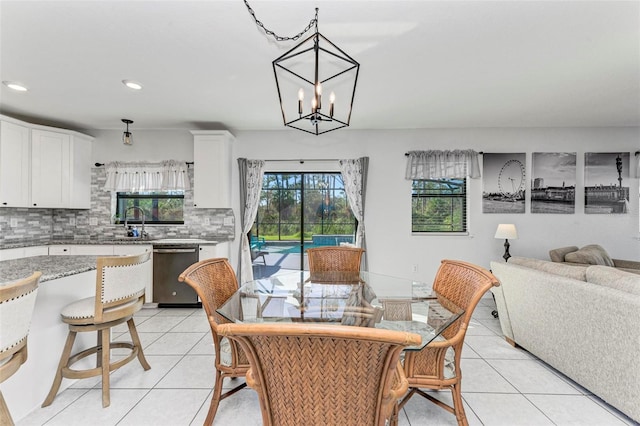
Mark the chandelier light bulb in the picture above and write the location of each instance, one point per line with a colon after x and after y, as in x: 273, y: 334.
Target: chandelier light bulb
x: 332, y: 99
x: 300, y: 99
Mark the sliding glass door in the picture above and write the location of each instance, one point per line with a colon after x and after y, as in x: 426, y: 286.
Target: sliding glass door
x: 298, y: 211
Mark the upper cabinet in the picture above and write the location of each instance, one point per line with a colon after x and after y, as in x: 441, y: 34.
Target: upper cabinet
x: 212, y: 168
x: 43, y: 167
x: 15, y: 165
x: 50, y: 170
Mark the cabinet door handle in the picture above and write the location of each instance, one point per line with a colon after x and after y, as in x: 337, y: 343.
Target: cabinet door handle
x: 4, y: 204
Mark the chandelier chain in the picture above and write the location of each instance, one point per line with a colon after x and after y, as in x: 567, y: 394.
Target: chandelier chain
x: 268, y: 32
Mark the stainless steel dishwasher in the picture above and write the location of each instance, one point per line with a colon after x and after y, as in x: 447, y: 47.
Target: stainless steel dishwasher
x: 169, y: 261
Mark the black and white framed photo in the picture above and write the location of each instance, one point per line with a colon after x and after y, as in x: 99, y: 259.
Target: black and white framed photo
x: 503, y: 182
x: 606, y: 182
x: 553, y: 185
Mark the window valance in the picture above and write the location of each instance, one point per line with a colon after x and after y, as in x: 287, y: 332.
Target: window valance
x: 442, y: 164
x: 140, y: 177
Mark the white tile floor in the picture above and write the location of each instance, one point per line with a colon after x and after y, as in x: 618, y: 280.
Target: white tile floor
x: 502, y: 385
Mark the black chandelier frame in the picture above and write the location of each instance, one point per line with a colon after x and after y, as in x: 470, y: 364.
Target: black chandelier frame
x: 316, y: 117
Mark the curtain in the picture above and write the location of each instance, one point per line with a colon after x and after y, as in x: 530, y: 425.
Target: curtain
x: 638, y: 164
x: 354, y: 174
x: 251, y: 173
x: 138, y: 177
x: 442, y: 164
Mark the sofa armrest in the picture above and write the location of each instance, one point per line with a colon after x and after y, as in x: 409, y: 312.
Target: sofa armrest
x: 626, y: 264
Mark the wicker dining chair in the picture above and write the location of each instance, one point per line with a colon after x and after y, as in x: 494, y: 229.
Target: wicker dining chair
x: 215, y: 281
x: 437, y: 366
x: 331, y: 264
x: 119, y: 293
x: 323, y: 374
x: 17, y: 301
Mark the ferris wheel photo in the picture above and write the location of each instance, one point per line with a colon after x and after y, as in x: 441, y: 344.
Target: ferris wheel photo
x: 504, y: 178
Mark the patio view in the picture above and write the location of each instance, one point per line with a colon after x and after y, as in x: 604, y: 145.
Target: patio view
x: 298, y: 211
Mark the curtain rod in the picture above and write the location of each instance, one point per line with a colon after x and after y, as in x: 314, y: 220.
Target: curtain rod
x: 188, y: 163
x: 406, y: 154
x: 302, y: 161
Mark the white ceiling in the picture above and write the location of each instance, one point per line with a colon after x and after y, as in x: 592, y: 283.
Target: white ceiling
x: 424, y: 64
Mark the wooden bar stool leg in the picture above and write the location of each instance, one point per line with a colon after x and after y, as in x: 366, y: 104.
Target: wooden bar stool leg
x: 64, y: 360
x: 99, y: 353
x: 5, y: 416
x: 136, y: 341
x: 106, y: 351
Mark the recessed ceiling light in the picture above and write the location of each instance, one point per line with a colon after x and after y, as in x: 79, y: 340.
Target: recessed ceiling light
x: 132, y: 84
x: 18, y: 87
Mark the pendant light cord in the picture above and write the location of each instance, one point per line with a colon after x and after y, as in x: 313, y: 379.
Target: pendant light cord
x: 268, y: 32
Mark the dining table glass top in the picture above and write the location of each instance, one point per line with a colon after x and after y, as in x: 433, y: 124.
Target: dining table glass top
x: 344, y: 298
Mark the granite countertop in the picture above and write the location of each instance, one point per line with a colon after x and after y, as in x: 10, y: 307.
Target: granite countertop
x: 111, y: 241
x: 52, y: 267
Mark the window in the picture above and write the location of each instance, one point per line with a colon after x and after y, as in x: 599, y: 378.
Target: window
x: 439, y: 206
x: 161, y: 207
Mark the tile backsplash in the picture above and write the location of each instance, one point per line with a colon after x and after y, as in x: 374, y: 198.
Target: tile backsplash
x: 42, y: 225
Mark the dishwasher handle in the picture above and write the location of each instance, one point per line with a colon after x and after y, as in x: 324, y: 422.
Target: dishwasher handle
x: 185, y: 250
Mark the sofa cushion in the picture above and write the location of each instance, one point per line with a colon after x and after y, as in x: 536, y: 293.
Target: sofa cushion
x: 592, y: 254
x: 614, y: 278
x: 557, y: 255
x: 577, y: 272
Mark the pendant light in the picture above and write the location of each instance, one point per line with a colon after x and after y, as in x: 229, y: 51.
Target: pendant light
x: 127, y: 136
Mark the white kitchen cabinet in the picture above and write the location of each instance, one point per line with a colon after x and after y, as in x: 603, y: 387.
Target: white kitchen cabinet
x: 129, y: 249
x: 213, y: 251
x: 9, y: 254
x: 212, y: 168
x: 36, y: 251
x: 50, y: 169
x: 43, y: 167
x: 92, y: 250
x: 15, y: 165
x: 80, y: 173
x: 59, y: 250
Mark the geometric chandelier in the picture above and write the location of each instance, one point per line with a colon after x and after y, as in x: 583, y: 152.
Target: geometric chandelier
x: 316, y: 82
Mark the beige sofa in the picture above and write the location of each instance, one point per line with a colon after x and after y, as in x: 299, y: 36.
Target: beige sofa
x: 593, y: 254
x: 582, y: 320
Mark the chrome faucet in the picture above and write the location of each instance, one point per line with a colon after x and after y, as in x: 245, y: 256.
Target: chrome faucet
x: 142, y: 233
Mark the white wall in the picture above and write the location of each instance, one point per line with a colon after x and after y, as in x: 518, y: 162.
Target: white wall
x: 391, y: 247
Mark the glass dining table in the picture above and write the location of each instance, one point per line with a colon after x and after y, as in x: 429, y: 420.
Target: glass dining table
x: 343, y: 298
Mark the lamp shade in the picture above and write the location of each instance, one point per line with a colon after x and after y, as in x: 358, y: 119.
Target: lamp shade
x: 506, y: 231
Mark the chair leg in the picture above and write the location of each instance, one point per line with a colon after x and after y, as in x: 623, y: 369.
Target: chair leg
x: 5, y: 416
x: 106, y: 352
x: 64, y: 360
x: 136, y: 341
x: 215, y: 399
x: 458, y: 406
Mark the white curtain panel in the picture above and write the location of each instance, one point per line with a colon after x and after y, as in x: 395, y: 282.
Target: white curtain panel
x: 442, y: 164
x: 251, y: 174
x: 140, y: 177
x: 352, y: 175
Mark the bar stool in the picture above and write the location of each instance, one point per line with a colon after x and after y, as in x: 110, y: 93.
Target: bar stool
x: 120, y: 285
x: 17, y: 301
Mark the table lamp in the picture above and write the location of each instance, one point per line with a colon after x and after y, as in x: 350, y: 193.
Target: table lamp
x: 507, y: 231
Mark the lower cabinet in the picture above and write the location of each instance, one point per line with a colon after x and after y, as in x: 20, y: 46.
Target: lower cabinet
x: 213, y: 251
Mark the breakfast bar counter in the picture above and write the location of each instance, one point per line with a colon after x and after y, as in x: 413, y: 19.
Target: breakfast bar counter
x: 52, y: 267
x: 65, y: 279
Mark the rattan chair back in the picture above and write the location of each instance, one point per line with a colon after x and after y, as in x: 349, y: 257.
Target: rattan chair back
x: 215, y: 282
x: 323, y: 374
x: 326, y: 261
x: 17, y: 301
x: 437, y: 366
